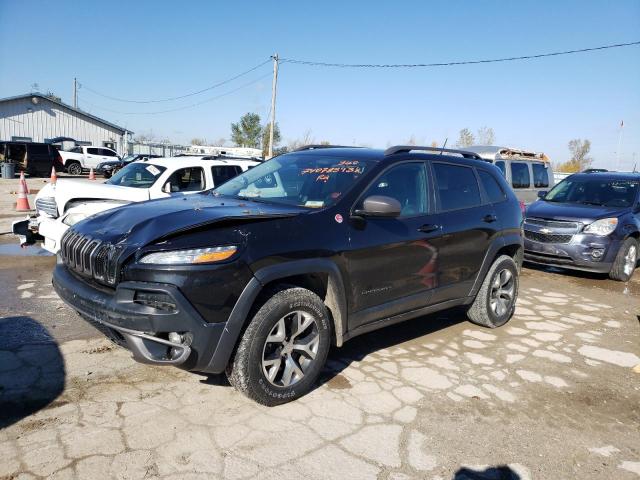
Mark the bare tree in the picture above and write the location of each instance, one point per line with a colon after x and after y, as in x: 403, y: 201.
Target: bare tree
x: 466, y: 138
x: 220, y: 142
x: 486, y: 136
x: 198, y: 141
x: 580, y: 159
x: 434, y: 144
x: 306, y: 139
x: 145, y: 137
x: 411, y: 140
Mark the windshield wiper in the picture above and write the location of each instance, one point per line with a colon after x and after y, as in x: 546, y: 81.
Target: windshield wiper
x: 584, y: 202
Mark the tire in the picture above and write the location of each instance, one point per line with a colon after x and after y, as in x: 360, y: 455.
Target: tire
x: 626, y: 261
x: 74, y: 168
x: 106, y: 174
x: 266, y: 366
x: 496, y: 300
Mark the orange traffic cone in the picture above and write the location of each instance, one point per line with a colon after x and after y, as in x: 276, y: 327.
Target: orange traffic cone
x: 54, y: 177
x: 92, y: 176
x: 22, y: 204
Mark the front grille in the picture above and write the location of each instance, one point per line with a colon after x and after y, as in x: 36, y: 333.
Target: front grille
x: 90, y: 258
x: 547, y: 238
x: 47, y: 205
x: 551, y: 223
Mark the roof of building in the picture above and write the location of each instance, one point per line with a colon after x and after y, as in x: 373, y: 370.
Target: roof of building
x: 68, y: 107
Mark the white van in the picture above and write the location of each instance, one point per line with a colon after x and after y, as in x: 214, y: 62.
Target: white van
x: 526, y: 172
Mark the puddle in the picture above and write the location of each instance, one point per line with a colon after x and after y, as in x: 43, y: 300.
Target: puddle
x: 339, y: 382
x: 15, y: 250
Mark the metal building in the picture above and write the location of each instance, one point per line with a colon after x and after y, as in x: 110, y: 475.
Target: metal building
x: 37, y: 118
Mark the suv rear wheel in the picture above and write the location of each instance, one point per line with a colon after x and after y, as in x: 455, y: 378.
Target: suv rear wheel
x: 625, y: 262
x: 283, y: 349
x: 496, y: 300
x: 74, y: 168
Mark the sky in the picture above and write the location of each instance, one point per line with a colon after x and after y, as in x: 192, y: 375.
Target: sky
x: 148, y: 50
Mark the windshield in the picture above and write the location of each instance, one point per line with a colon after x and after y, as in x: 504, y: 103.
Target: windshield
x: 129, y: 158
x: 304, y: 180
x: 137, y: 175
x: 595, y: 191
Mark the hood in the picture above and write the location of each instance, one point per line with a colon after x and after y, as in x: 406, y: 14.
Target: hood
x: 139, y: 224
x: 66, y: 190
x: 571, y: 211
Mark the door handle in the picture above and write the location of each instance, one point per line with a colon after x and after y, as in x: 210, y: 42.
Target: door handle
x: 428, y: 228
x: 489, y: 218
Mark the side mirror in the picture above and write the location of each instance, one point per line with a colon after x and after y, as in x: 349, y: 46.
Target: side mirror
x: 542, y: 193
x: 167, y: 188
x: 380, y: 206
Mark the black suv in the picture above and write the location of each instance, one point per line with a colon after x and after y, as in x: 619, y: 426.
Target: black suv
x: 260, y: 276
x: 35, y: 159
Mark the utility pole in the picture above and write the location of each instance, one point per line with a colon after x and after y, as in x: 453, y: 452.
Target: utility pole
x: 273, y: 103
x: 75, y: 93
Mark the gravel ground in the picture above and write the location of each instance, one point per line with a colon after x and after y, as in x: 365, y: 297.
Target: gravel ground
x: 553, y: 394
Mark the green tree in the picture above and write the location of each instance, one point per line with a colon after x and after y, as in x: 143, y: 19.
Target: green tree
x: 466, y: 138
x: 248, y: 131
x: 265, y: 138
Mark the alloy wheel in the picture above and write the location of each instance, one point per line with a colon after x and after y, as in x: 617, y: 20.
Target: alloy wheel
x: 502, y: 292
x: 630, y: 260
x: 290, y: 349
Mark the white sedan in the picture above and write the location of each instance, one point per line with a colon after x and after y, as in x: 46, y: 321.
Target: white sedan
x: 68, y: 201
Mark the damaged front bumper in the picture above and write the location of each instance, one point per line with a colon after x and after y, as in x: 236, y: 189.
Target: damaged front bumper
x: 154, y: 321
x: 34, y: 229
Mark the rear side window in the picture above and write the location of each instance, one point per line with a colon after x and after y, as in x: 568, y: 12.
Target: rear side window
x: 520, y: 177
x: 491, y: 187
x: 457, y: 186
x: 222, y: 173
x: 36, y: 149
x: 187, y: 180
x: 108, y: 153
x: 94, y: 151
x: 540, y: 175
x: 502, y: 168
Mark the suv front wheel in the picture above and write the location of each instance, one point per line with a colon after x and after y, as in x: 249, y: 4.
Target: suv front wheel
x: 496, y: 300
x: 283, y: 349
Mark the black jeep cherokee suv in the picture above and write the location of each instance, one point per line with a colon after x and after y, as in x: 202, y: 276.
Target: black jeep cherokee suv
x: 260, y: 276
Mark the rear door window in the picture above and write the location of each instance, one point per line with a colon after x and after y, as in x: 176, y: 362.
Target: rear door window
x: 94, y: 151
x: 500, y: 165
x: 540, y: 175
x: 520, y: 177
x: 222, y: 173
x: 187, y: 180
x: 491, y: 187
x: 107, y: 153
x: 457, y: 186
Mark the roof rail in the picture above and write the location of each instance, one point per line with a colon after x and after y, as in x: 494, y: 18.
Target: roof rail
x: 408, y: 148
x: 313, y: 147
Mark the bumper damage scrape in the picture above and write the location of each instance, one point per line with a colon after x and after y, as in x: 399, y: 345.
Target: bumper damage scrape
x: 144, y: 327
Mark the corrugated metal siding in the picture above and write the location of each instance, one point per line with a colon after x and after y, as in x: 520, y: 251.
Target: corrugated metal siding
x: 21, y: 118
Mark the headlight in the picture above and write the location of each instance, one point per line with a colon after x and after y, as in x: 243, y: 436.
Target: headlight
x: 187, y: 257
x: 74, y: 218
x: 602, y: 227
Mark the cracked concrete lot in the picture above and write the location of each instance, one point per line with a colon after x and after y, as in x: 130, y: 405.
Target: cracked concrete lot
x: 554, y: 394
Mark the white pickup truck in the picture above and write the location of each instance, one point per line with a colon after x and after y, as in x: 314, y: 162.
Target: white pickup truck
x: 69, y: 201
x: 81, y: 159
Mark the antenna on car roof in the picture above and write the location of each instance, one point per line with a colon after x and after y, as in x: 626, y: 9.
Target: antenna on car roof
x: 444, y: 145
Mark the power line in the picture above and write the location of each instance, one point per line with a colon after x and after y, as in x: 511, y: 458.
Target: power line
x: 449, y: 64
x: 219, y: 84
x: 183, y: 107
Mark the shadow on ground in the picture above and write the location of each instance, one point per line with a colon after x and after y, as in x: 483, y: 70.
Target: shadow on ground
x: 501, y: 472
x: 32, y: 373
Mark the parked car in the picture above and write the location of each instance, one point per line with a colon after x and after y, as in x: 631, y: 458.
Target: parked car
x: 82, y: 158
x: 108, y: 168
x: 35, y: 159
x: 588, y: 221
x: 59, y: 207
x: 527, y: 172
x: 259, y: 277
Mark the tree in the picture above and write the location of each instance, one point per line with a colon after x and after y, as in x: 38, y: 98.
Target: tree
x: 147, y: 137
x: 411, y: 140
x: 486, y: 136
x: 306, y: 139
x: 247, y: 132
x: 466, y: 138
x: 53, y: 96
x: 198, y: 141
x: 580, y: 159
x: 266, y: 132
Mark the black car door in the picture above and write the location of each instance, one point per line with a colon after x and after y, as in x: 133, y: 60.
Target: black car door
x: 390, y: 261
x: 469, y: 224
